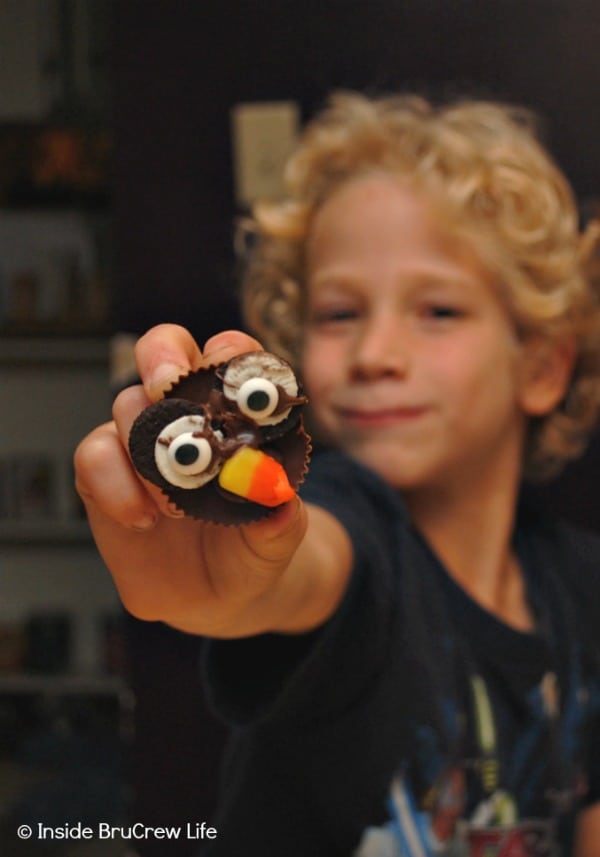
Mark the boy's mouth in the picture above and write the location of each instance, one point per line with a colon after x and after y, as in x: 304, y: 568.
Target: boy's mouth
x: 381, y: 417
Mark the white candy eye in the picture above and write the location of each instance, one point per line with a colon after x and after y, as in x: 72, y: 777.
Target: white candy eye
x: 182, y: 457
x: 254, y: 380
x: 257, y: 398
x: 189, y: 455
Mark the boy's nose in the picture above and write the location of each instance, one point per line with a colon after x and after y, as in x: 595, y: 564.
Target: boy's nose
x: 383, y: 349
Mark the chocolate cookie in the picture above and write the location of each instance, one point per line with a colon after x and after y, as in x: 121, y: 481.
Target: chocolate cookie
x: 227, y: 444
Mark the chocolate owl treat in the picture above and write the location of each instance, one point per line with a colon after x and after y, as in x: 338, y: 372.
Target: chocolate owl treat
x: 227, y: 444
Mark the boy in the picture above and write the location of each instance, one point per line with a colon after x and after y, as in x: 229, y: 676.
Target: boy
x: 407, y: 654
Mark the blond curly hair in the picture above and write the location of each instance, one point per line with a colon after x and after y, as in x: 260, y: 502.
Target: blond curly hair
x: 504, y: 195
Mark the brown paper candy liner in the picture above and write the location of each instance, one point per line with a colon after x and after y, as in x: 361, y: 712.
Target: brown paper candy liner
x: 201, y: 393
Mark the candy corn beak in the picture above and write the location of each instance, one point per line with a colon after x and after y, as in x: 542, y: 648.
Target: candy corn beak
x: 255, y: 476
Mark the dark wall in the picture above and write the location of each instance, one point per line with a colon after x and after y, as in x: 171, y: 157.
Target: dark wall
x: 180, y: 66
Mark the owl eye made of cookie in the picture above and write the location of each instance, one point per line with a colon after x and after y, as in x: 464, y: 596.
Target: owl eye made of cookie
x: 183, y: 456
x: 263, y: 387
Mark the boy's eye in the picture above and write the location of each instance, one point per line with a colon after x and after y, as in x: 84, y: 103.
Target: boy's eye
x: 442, y: 311
x: 328, y: 316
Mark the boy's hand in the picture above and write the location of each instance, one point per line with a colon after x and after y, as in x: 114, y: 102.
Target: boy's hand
x: 199, y: 577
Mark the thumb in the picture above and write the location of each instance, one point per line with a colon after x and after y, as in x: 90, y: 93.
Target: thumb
x: 275, y: 539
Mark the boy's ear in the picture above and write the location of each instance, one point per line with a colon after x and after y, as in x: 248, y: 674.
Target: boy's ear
x: 545, y: 373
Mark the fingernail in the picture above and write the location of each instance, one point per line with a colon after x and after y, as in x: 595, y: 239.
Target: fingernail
x: 145, y: 523
x: 162, y: 379
x: 174, y: 512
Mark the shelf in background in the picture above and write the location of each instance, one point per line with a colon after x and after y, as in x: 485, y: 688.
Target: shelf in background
x: 73, y: 351
x: 31, y: 533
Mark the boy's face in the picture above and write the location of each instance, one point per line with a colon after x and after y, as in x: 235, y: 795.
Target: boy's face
x: 410, y: 361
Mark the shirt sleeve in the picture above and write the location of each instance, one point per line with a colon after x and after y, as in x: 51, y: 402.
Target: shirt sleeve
x: 321, y: 673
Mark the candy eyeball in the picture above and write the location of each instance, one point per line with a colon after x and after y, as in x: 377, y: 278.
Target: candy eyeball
x: 258, y: 398
x: 183, y: 455
x: 254, y: 381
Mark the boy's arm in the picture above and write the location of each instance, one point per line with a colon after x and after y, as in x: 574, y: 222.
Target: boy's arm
x: 285, y: 573
x: 587, y: 840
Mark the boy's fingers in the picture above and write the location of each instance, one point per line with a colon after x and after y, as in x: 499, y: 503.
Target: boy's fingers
x: 168, y: 351
x: 107, y: 483
x: 163, y: 354
x: 223, y: 346
x: 127, y: 406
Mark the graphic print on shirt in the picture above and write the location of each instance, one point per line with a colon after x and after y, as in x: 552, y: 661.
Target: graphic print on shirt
x: 470, y: 808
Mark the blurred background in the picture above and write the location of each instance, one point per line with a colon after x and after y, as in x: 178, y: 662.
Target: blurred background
x: 133, y: 134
